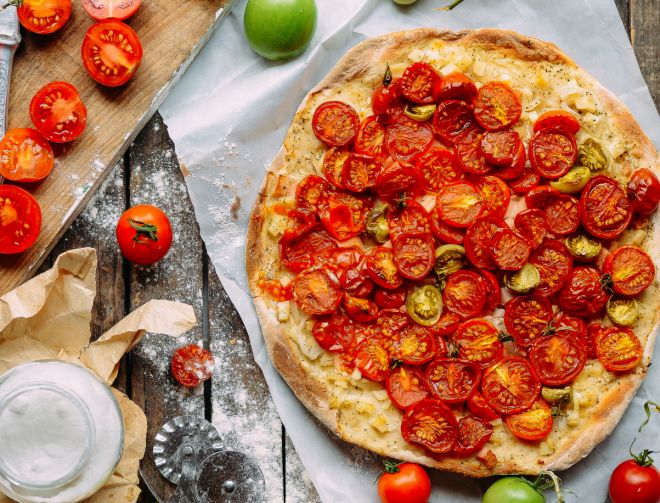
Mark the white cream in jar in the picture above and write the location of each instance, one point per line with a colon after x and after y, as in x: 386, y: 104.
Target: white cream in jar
x: 61, y: 433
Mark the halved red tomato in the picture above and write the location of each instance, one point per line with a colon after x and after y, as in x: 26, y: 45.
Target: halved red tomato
x: 478, y: 406
x: 604, y: 207
x: 333, y: 165
x: 619, y: 349
x: 509, y: 250
x: 469, y: 155
x: 455, y: 86
x: 20, y: 219
x: 583, y: 294
x: 111, y: 9
x: 415, y: 345
x: 445, y: 233
x: 309, y: 191
x: 464, y: 293
x: 58, y: 112
x: 569, y: 325
x: 552, y: 152
x: 407, y: 139
x: 414, y: 254
x: 452, y: 119
x: 43, y: 16
x: 390, y: 323
x: 533, y: 424
x: 526, y: 182
x: 473, y: 433
x: 335, y: 123
x: 591, y: 334
x: 557, y: 119
x: 360, y: 172
x: 477, y: 341
x: 513, y: 171
x: 446, y: 325
x: 509, y: 385
x: 531, y: 225
x: 478, y: 239
x: 398, y: 181
x: 331, y: 334
x: 495, y: 195
x: 459, y: 204
x: 382, y: 268
x: 554, y: 263
x: 411, y: 218
x: 431, y: 424
x: 343, y: 214
x: 358, y: 309
x: 406, y: 386
x: 493, y: 291
x: 370, y: 139
x: 497, y: 106
x: 111, y: 52
x: 500, y: 147
x: 436, y: 168
x: 631, y: 270
x: 557, y: 359
x: 452, y: 381
x: 372, y: 360
x: 540, y: 197
x: 385, y: 95
x: 644, y: 191
x: 563, y: 215
x: 298, y: 249
x: 417, y: 82
x: 25, y: 156
x: 526, y: 318
x: 390, y: 299
x: 317, y: 291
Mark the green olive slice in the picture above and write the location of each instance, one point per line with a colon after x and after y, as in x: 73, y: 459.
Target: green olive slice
x: 449, y: 259
x: 582, y: 247
x: 524, y: 280
x: 573, y: 181
x: 424, y: 305
x: 377, y: 226
x: 591, y: 155
x: 622, y: 312
x: 419, y: 113
x: 557, y: 395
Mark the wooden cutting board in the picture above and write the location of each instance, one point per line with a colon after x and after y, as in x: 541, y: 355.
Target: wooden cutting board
x: 172, y: 32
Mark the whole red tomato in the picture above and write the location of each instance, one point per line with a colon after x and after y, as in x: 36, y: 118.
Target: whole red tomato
x: 144, y: 234
x: 404, y: 483
x: 635, y: 481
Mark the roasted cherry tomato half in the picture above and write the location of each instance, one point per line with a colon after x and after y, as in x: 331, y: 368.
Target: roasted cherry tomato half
x: 464, y: 293
x: 554, y: 262
x: 497, y: 106
x: 360, y: 172
x: 335, y: 123
x: 385, y: 95
x: 414, y: 345
x: 510, y: 385
x: 390, y: 299
x: 437, y: 168
x: 495, y: 195
x: 343, y: 214
x: 406, y: 386
x: 111, y: 9
x: 477, y: 406
x: 500, y: 147
x: 630, y: 269
x: 424, y: 305
x: 444, y: 232
x: 527, y: 180
x: 493, y: 291
x: 372, y: 360
x: 514, y: 170
x: 382, y: 268
x: 452, y: 120
x: 469, y: 155
x: 455, y: 86
x: 644, y: 191
x: 390, y: 323
x: 407, y: 139
x: 317, y: 291
x: 58, y: 112
x: 431, y: 424
x: 309, y: 192
x: 604, y: 208
x: 192, y: 365
x: 411, y: 218
x: 413, y: 254
x: 531, y: 225
x: 398, y: 181
x: 144, y: 234
x: 552, y: 152
x: 509, y: 250
x: 452, y: 381
x: 473, y: 433
x: 526, y: 318
x: 557, y: 119
x: 592, y: 332
x: 478, y: 239
x: 333, y: 165
x: 417, y: 82
x: 619, y: 349
x: 360, y: 310
x: 20, y: 219
x: 370, y: 139
x: 583, y: 294
x: 25, y: 156
x: 557, y: 359
x: 298, y: 249
x: 533, y: 424
x: 562, y: 215
x: 446, y: 325
x: 459, y: 204
x: 404, y: 482
x: 635, y: 482
x: 44, y: 16
x: 477, y: 341
x: 331, y: 333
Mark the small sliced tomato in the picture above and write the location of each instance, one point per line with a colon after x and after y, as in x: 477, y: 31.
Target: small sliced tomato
x: 473, y: 433
x: 446, y: 325
x: 417, y: 82
x: 497, y: 106
x: 415, y: 345
x: 309, y: 191
x: 390, y: 299
x: 298, y: 249
x: 452, y: 381
x: 43, y: 16
x: 111, y: 52
x: 370, y: 139
x: 526, y: 318
x: 531, y: 225
x: 477, y: 341
x: 406, y: 386
x: 532, y: 425
x: 464, y: 293
x: 372, y: 360
x: 495, y: 195
x: 360, y: 310
x: 446, y: 233
x: 191, y: 365
x: 25, y: 156
x: 569, y: 325
x: 342, y: 214
x: 350, y: 266
x: 382, y: 268
x: 414, y: 254
x: 333, y: 165
x: 554, y: 263
x: 631, y: 269
x: 591, y: 334
x: 540, y: 197
x: 469, y: 155
x: 514, y: 170
x: 455, y: 86
x: 58, y: 112
x: 398, y: 181
x: 408, y: 139
x: 557, y: 119
x: 317, y: 291
x: 459, y: 204
x: 604, y: 207
x: 557, y: 359
x: 20, y: 219
x: 500, y: 147
x: 360, y: 172
x: 431, y: 424
x: 411, y: 218
x: 583, y: 293
x: 453, y: 119
x: 385, y: 96
x: 509, y: 250
x: 619, y: 349
x: 478, y: 240
x: 331, y: 334
x: 478, y: 406
x: 111, y: 9
x: 563, y: 215
x: 274, y: 289
x: 510, y: 385
x: 390, y: 323
x: 493, y: 291
x: 436, y: 168
x: 644, y: 191
x: 526, y: 182
x: 552, y: 152
x: 335, y: 123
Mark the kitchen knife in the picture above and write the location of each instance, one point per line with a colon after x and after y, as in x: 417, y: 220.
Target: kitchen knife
x: 10, y: 38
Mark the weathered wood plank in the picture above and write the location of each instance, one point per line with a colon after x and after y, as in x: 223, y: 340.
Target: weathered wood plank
x: 624, y: 12
x: 645, y: 35
x: 298, y: 485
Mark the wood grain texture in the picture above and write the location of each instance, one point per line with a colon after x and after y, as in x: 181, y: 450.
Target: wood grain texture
x: 172, y: 32
x: 645, y: 36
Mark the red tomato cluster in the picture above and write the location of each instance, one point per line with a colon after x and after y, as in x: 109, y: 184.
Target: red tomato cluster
x: 444, y: 155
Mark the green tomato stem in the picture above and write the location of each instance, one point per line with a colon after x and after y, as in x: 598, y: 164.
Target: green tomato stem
x: 449, y: 7
x: 142, y: 229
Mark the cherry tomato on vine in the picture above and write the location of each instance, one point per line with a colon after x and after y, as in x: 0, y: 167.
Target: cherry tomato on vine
x: 58, y: 112
x: 44, y: 16
x: 404, y: 483
x: 191, y: 365
x: 144, y: 234
x: 635, y: 481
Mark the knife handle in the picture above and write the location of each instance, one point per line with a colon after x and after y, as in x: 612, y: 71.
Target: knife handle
x: 6, y: 59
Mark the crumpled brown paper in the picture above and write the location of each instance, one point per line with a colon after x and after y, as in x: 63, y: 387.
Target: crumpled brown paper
x: 49, y: 317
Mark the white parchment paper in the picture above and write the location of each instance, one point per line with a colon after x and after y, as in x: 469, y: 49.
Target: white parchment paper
x: 228, y: 117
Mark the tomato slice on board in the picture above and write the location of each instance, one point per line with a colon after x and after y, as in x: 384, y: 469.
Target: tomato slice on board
x: 497, y: 106
x: 191, y: 365
x: 514, y: 170
x: 464, y: 293
x: 335, y: 123
x: 644, y: 191
x: 495, y: 195
x: 558, y: 359
x: 436, y: 168
x: 331, y: 334
x: 417, y: 82
x: 531, y: 225
x: 493, y: 291
x: 557, y: 119
x: 452, y: 381
x: 510, y: 385
x: 44, y: 16
x: 526, y: 317
x: 619, y: 349
x: 459, y: 204
x: 333, y: 165
x: 552, y: 152
x: 343, y: 215
x: 370, y: 139
x: 469, y: 155
x: 431, y: 424
x: 604, y: 207
x: 385, y: 96
x: 111, y: 52
x: 540, y: 197
x: 478, y: 239
x: 509, y: 250
x: 360, y: 172
x: 350, y: 266
x: 532, y: 425
x: 20, y: 219
x: 500, y: 147
x: 382, y: 268
x: 583, y: 294
x: 445, y: 233
x: 372, y: 360
x: 631, y: 269
x: 414, y: 254
x: 408, y: 139
x: 298, y: 249
x: 554, y: 263
x: 390, y: 299
x: 526, y: 182
x: 592, y: 332
x: 455, y: 86
x: 406, y: 386
x: 111, y: 9
x: 563, y: 215
x: 477, y: 341
x: 411, y: 218
x: 309, y: 191
x: 58, y: 112
x: 473, y: 433
x: 317, y: 291
x: 415, y: 345
x: 478, y: 406
x: 398, y: 181
x: 25, y: 156
x: 446, y: 325
x: 453, y: 119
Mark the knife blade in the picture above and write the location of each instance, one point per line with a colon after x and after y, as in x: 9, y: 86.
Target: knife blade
x: 10, y: 38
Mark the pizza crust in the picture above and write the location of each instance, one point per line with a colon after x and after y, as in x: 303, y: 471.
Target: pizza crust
x: 296, y: 159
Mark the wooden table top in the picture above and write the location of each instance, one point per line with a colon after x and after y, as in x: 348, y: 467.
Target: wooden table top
x: 237, y: 398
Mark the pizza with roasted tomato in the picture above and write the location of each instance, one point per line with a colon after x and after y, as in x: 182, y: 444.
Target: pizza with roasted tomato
x: 453, y: 254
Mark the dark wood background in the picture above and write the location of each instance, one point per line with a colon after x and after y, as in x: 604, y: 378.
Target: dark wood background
x: 237, y: 397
